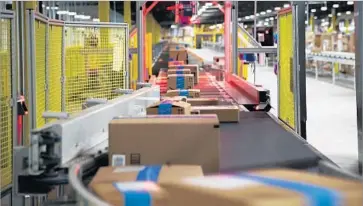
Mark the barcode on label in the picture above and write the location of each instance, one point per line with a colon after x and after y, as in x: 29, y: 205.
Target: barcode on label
x: 118, y: 160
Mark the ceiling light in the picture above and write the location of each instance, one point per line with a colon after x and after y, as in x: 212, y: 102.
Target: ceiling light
x: 245, y: 26
x: 315, y: 17
x: 323, y: 8
x: 306, y: 22
x: 263, y: 13
x: 348, y: 12
x: 86, y: 17
x: 209, y: 4
x: 96, y: 20
x: 339, y: 14
x: 72, y: 13
x: 62, y: 12
x: 267, y: 19
x: 350, y: 2
x: 271, y: 18
x: 257, y: 14
x: 268, y: 11
x: 239, y: 19
x: 78, y: 16
x: 54, y: 7
x: 266, y: 23
x: 330, y: 15
x: 247, y: 17
x: 47, y: 7
x: 323, y: 20
x: 43, y: 5
x: 313, y: 10
x: 336, y: 6
x: 173, y: 26
x: 286, y: 5
x: 277, y: 8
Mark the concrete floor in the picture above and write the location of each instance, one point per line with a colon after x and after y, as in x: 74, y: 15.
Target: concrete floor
x: 331, y: 113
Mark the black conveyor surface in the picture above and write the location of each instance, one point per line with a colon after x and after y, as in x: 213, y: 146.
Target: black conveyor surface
x: 259, y: 141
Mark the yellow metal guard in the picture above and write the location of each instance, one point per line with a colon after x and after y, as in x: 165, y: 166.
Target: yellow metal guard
x: 286, y: 81
x: 5, y: 109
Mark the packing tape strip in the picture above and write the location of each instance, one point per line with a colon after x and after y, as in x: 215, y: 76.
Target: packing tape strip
x: 180, y: 67
x: 315, y: 195
x: 184, y: 92
x: 149, y: 173
x: 165, y: 108
x: 180, y: 82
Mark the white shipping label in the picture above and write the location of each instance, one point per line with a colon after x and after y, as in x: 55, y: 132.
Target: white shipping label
x: 118, y: 160
x: 222, y: 182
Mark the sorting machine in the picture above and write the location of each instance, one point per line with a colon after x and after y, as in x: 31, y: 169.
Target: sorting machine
x: 65, y: 154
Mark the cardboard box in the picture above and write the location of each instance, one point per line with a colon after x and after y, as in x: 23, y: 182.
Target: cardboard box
x: 194, y: 69
x: 163, y: 173
x: 179, y: 71
x: 190, y: 93
x: 175, y: 63
x: 167, y: 107
x: 160, y: 139
x: 203, y: 101
x: 131, y: 193
x: 180, y: 81
x: 264, y: 188
x: 225, y: 113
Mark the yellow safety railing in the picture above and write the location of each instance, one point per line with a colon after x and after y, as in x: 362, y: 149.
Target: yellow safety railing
x: 54, y: 71
x: 96, y: 61
x: 6, y: 113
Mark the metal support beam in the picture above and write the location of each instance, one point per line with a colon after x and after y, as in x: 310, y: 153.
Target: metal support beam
x: 140, y: 39
x: 266, y: 49
x: 299, y: 66
x: 150, y: 7
x: 227, y: 36
x: 235, y: 37
x: 358, y: 10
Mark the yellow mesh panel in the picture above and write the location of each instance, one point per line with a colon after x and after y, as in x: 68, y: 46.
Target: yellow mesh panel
x: 286, y: 86
x: 55, y: 68
x: 134, y: 62
x: 40, y: 36
x: 95, y: 64
x: 5, y: 109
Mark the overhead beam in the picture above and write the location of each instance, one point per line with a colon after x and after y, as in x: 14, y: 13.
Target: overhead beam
x: 148, y: 9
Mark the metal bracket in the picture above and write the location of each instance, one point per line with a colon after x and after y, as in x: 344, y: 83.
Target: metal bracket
x: 93, y: 102
x: 55, y: 115
x: 140, y: 85
x: 123, y: 91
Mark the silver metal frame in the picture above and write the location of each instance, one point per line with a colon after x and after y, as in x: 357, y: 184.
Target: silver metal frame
x: 63, y: 72
x: 294, y: 67
x: 234, y: 37
x: 140, y: 39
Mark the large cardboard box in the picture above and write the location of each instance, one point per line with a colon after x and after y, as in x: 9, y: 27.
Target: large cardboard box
x: 225, y: 113
x: 180, y: 81
x: 161, y: 139
x: 189, y: 93
x: 265, y: 188
x: 112, y: 184
x: 203, y: 101
x: 167, y: 107
x: 194, y: 69
x: 179, y: 71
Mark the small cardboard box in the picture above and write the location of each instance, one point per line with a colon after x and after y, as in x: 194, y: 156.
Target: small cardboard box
x: 175, y: 63
x: 160, y: 139
x: 180, y: 81
x: 225, y: 113
x: 131, y: 193
x: 265, y: 188
x: 203, y: 101
x: 178, y: 71
x: 168, y: 107
x: 163, y: 173
x: 194, y: 69
x: 189, y: 93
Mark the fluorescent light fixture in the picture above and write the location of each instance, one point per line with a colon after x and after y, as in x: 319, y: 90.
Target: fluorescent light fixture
x: 252, y: 16
x: 268, y: 11
x: 173, y: 26
x: 263, y: 13
x: 330, y: 15
x: 266, y: 23
x: 323, y: 20
x: 72, y: 13
x: 54, y: 7
x: 78, y: 16
x: 47, y: 7
x: 62, y: 12
x: 306, y: 22
x: 239, y: 19
x: 350, y: 2
x: 315, y: 17
x: 96, y: 20
x: 277, y: 8
x: 348, y: 12
x: 271, y: 18
x: 247, y: 17
x: 336, y: 6
x: 245, y: 26
x: 313, y: 10
x: 86, y: 17
x: 323, y: 8
x: 339, y: 14
x: 267, y: 19
x: 257, y: 14
x: 209, y: 4
x: 43, y: 5
x: 286, y: 5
